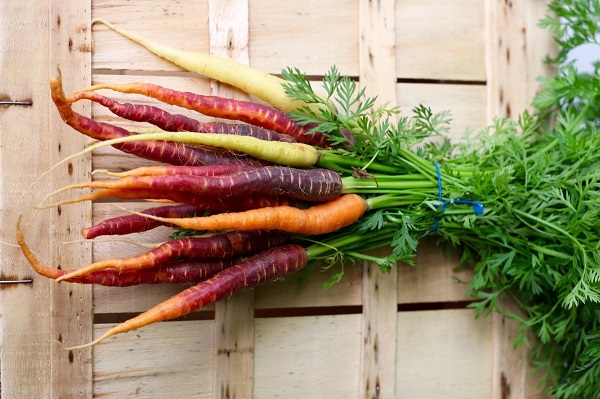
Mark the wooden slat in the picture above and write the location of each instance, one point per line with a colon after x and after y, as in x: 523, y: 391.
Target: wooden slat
x: 516, y: 49
x: 443, y: 354
x: 314, y: 357
x: 182, y: 24
x: 72, y: 324
x: 35, y: 38
x: 288, y: 293
x: 234, y: 318
x: 440, y: 40
x: 311, y: 35
x: 25, y: 324
x: 377, y: 65
x: 466, y: 104
x: 433, y: 278
x: 158, y: 361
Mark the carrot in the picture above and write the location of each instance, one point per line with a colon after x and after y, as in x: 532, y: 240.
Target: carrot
x: 287, y: 154
x: 170, y: 272
x: 204, y: 202
x: 172, y: 153
x: 265, y: 266
x: 303, y: 184
x: 218, y: 107
x: 177, y: 123
x: 218, y: 246
x: 255, y: 82
x: 318, y: 219
x: 128, y: 224
x: 161, y: 170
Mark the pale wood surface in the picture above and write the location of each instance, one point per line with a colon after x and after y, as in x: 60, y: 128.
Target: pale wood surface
x: 516, y: 48
x: 377, y: 64
x: 176, y: 23
x: 308, y: 357
x: 440, y: 40
x: 36, y: 37
x: 443, y: 354
x: 234, y: 318
x: 433, y: 278
x: 163, y: 360
x: 71, y: 311
x: 465, y: 103
x: 311, y: 35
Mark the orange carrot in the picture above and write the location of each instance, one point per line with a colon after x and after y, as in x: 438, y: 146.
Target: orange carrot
x: 318, y: 219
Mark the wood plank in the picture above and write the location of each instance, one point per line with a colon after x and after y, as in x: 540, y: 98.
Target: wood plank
x: 314, y: 357
x: 25, y: 325
x: 516, y: 48
x: 182, y: 24
x: 515, y: 51
x: 162, y: 360
x: 234, y: 318
x: 510, y: 367
x: 35, y: 316
x: 466, y: 104
x: 377, y: 65
x: 440, y: 40
x: 445, y: 353
x: 292, y: 34
x: 288, y: 293
x: 433, y: 278
x: 71, y: 305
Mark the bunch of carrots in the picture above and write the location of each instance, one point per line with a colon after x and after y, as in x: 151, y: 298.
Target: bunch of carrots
x: 300, y: 177
x: 250, y: 189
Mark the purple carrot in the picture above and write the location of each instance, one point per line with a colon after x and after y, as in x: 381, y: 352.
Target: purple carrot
x: 264, y: 266
x: 161, y: 151
x: 176, y: 122
x: 303, y: 184
x: 253, y: 113
x: 128, y: 224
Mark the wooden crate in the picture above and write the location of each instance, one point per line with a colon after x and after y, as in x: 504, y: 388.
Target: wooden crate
x: 404, y: 335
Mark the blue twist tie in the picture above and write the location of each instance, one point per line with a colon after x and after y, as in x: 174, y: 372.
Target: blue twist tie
x: 477, y: 206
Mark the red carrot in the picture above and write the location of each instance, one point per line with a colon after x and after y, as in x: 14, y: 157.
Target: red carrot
x: 208, y: 203
x: 303, y: 184
x: 207, y: 170
x: 161, y: 151
x: 170, y: 272
x: 265, y: 266
x: 175, y: 122
x: 245, y: 111
x: 223, y: 245
x: 128, y: 224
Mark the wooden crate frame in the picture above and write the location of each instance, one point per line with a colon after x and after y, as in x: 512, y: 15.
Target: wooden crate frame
x: 371, y: 336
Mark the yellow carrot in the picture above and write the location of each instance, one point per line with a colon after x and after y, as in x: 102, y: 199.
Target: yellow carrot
x: 253, y: 81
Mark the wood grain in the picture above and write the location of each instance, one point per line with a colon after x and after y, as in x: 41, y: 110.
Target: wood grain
x: 234, y: 317
x: 377, y: 64
x: 36, y: 38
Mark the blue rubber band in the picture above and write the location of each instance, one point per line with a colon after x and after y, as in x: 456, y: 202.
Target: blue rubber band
x: 477, y: 206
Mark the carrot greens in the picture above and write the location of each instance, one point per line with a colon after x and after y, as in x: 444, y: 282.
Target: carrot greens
x: 538, y: 181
